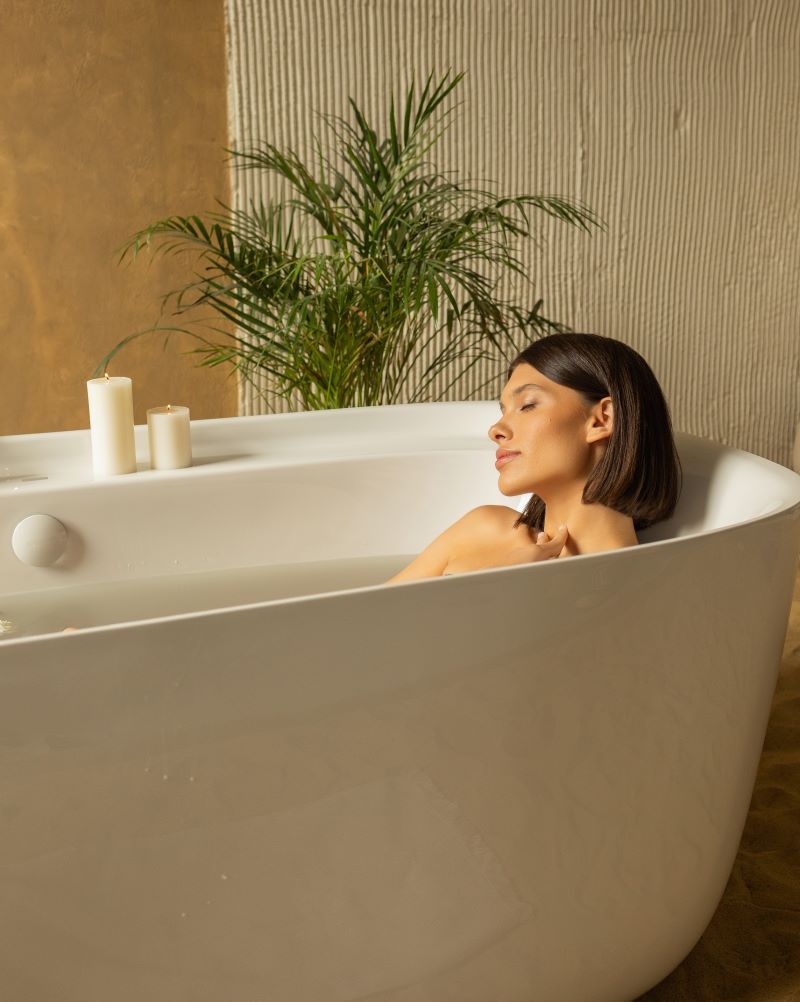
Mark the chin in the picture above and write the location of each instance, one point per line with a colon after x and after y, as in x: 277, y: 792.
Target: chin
x: 509, y: 489
x: 513, y: 483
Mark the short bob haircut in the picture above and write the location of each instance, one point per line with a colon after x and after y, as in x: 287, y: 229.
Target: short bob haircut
x: 640, y: 473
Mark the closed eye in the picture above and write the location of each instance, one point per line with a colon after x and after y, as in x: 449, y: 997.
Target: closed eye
x: 527, y: 407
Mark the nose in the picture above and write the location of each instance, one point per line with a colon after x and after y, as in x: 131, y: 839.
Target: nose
x: 497, y: 431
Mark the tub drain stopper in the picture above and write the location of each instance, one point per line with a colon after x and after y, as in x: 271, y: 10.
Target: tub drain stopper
x: 39, y: 540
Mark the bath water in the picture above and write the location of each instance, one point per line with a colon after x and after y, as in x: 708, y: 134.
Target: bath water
x: 53, y: 610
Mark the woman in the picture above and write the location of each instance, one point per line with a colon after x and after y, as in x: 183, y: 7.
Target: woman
x: 585, y: 428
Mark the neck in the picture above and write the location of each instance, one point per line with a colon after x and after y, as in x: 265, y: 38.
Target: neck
x: 591, y: 527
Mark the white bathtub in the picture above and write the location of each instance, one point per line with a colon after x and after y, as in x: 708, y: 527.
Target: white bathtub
x: 518, y: 784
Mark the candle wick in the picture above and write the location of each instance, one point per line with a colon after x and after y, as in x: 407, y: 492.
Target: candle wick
x: 169, y: 408
x: 106, y: 375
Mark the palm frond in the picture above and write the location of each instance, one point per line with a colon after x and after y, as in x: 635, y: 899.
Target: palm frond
x: 373, y: 264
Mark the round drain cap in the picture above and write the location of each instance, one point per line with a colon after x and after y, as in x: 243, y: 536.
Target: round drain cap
x: 39, y: 540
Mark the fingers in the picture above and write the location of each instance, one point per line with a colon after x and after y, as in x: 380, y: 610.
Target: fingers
x: 558, y: 538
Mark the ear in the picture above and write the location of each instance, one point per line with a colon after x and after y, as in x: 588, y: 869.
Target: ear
x: 601, y: 420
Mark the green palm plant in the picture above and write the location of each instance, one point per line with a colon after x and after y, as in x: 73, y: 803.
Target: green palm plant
x: 338, y: 291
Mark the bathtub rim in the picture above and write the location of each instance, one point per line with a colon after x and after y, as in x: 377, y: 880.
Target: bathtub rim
x: 237, y: 462
x: 787, y: 511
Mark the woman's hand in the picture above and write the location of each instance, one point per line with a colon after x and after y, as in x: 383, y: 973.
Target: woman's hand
x: 544, y: 548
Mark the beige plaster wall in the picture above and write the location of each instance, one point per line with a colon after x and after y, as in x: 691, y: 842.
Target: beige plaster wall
x: 112, y: 116
x: 676, y: 122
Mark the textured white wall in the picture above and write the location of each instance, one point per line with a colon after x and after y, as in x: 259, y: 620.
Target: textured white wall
x: 676, y: 122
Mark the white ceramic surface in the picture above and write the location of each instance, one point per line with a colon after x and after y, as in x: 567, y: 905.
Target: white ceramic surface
x: 525, y: 783
x: 39, y: 540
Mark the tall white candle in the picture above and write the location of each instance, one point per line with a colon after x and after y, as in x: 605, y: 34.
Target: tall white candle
x: 169, y: 435
x: 111, y: 424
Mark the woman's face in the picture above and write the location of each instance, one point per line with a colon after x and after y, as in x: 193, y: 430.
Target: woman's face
x: 555, y: 438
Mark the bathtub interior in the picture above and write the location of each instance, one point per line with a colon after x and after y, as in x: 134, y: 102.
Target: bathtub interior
x: 722, y: 487
x: 289, y: 506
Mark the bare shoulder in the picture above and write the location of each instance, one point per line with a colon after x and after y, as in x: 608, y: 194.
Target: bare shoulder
x: 483, y: 524
x: 491, y: 526
x: 478, y: 528
x: 498, y: 516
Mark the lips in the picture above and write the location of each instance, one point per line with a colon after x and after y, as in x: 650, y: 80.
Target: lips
x: 504, y: 457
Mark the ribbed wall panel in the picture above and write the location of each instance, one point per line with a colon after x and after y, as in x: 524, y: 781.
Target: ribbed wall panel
x: 676, y: 123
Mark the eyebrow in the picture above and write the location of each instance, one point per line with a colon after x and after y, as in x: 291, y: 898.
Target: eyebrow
x: 519, y: 389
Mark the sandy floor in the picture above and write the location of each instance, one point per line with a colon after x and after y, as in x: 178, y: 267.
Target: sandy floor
x: 750, y: 952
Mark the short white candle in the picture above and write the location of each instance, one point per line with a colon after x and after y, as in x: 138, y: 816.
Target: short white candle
x: 169, y: 435
x: 111, y: 425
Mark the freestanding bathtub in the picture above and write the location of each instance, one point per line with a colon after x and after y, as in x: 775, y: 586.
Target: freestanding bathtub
x: 254, y: 772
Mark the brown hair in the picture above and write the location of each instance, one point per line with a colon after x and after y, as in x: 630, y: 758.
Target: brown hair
x: 640, y: 473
